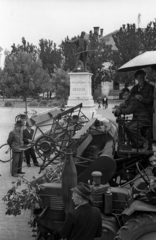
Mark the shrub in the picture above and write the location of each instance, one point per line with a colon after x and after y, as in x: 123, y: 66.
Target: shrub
x: 8, y: 104
x: 39, y: 100
x: 55, y: 104
x: 43, y: 102
x: 58, y: 96
x: 33, y: 104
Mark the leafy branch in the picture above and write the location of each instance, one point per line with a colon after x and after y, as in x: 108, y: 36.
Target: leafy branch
x: 18, y: 199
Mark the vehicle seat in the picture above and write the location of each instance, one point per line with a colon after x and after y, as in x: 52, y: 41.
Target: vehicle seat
x: 124, y: 141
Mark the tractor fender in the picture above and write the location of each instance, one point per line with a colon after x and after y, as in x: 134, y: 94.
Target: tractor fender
x: 139, y: 206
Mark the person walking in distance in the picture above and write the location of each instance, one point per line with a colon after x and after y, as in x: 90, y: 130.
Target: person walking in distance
x: 105, y: 102
x: 15, y: 141
x: 27, y: 138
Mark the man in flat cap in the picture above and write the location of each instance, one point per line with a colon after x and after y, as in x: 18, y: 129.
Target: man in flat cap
x: 15, y: 141
x: 84, y: 222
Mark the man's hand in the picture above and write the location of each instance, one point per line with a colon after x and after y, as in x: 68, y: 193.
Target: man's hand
x: 123, y: 104
x: 29, y: 140
x: 139, y: 97
x: 117, y: 112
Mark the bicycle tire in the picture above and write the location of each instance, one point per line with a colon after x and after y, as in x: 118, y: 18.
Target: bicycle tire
x: 5, y: 153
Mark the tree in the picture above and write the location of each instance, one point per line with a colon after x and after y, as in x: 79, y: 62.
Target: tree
x: 2, y: 85
x: 131, y: 42
x: 60, y: 80
x: 25, y: 47
x: 51, y: 58
x: 50, y: 55
x: 23, y: 75
x: 98, y: 54
x: 127, y: 43
x: 68, y: 52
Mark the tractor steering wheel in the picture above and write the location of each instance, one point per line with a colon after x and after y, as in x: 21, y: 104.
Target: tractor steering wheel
x: 143, y: 173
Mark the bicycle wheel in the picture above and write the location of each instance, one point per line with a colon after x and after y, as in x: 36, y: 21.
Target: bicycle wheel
x: 5, y: 153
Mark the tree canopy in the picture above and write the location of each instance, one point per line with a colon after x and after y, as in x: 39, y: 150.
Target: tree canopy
x: 22, y: 75
x: 131, y: 42
x: 60, y: 80
x: 50, y: 55
x: 68, y: 52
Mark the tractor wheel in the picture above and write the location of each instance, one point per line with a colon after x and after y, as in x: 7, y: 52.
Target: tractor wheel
x: 141, y: 228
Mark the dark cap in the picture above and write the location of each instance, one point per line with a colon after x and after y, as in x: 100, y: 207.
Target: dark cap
x: 97, y: 123
x: 19, y: 123
x: 83, y: 190
x: 139, y: 72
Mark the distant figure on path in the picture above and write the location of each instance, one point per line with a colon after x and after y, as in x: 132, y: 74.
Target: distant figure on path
x: 105, y: 102
x: 99, y: 102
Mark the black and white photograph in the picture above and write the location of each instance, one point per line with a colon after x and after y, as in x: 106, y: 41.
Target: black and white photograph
x: 78, y: 120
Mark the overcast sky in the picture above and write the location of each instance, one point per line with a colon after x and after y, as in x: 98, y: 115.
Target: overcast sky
x: 55, y: 19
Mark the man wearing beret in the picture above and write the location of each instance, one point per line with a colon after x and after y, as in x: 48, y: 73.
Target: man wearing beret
x: 141, y: 117
x: 84, y: 222
x: 15, y: 141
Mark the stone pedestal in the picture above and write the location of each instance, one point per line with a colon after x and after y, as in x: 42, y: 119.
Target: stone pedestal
x: 80, y: 92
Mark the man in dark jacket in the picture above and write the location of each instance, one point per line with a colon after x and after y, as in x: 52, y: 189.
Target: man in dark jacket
x: 15, y: 141
x: 141, y: 118
x: 27, y: 138
x: 84, y: 222
x: 143, y: 91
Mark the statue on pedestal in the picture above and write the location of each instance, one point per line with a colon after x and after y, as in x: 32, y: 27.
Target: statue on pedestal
x: 82, y: 51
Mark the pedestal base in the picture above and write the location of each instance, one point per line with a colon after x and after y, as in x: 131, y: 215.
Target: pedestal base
x: 80, y: 92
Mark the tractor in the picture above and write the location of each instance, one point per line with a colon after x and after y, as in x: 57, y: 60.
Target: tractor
x: 120, y: 187
x: 102, y: 157
x: 128, y: 211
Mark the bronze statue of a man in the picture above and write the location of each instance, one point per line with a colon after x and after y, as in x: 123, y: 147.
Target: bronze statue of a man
x: 82, y: 50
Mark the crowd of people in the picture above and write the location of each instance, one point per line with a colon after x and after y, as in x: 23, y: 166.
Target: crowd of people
x: 104, y: 101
